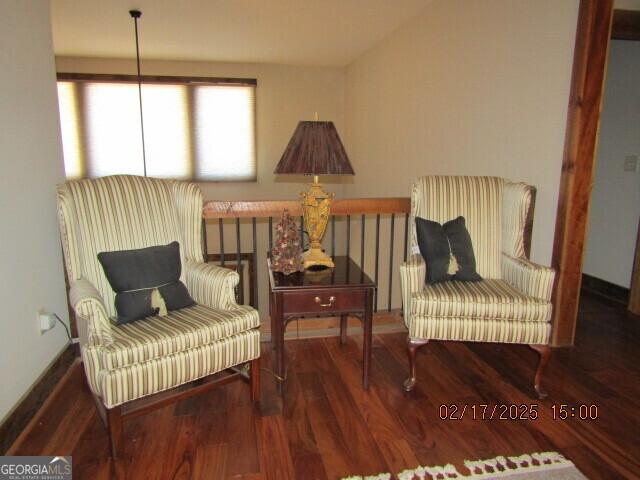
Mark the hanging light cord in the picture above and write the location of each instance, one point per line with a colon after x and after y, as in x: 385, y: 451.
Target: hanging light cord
x: 136, y: 14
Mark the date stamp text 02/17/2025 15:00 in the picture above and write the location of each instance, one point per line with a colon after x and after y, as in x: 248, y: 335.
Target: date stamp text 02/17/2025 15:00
x: 523, y: 411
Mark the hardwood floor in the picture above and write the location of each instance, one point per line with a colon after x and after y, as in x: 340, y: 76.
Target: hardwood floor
x: 328, y: 427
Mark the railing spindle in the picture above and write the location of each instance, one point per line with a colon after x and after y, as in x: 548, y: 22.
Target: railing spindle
x: 301, y: 230
x: 204, y: 240
x: 362, y: 243
x: 221, y: 230
x: 333, y: 235
x: 393, y: 221
x: 254, y: 299
x: 348, y: 235
x: 375, y: 303
x: 239, y: 259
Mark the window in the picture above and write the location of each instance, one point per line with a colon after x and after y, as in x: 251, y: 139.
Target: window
x: 194, y: 128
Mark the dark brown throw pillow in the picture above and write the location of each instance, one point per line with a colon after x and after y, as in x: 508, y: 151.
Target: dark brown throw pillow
x: 146, y: 281
x: 447, y: 250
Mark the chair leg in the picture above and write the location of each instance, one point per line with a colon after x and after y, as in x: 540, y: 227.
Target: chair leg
x: 545, y: 352
x: 413, y: 344
x: 254, y: 374
x: 114, y: 424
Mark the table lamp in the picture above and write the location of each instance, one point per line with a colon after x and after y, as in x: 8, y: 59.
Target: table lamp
x: 315, y: 149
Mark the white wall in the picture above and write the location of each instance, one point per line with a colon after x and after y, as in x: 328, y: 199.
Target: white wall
x: 31, y: 166
x: 468, y: 87
x: 615, y: 201
x: 627, y: 4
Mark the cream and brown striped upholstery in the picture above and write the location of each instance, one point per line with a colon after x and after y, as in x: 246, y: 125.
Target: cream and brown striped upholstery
x: 126, y: 362
x: 513, y: 302
x: 478, y: 200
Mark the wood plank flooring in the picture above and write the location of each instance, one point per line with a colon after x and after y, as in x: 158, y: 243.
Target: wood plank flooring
x: 328, y: 427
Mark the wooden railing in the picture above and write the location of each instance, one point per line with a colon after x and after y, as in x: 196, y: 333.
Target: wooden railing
x: 273, y: 208
x: 238, y: 214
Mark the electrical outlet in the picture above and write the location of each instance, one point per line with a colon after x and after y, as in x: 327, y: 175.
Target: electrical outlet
x: 631, y: 163
x: 46, y: 321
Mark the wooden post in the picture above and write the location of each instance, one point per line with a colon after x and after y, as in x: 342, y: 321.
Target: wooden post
x: 587, y: 86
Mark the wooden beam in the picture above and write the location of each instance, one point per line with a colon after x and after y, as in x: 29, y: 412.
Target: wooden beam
x: 247, y: 209
x: 585, y: 101
x: 359, y: 206
x: 626, y: 25
x: 273, y: 208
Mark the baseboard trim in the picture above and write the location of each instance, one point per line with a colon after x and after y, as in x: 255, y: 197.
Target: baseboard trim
x: 27, y: 410
x: 606, y: 290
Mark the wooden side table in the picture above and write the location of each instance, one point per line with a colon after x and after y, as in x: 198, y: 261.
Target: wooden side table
x: 338, y: 291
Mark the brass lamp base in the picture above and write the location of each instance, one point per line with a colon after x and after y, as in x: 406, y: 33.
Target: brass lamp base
x: 316, y: 205
x: 315, y: 257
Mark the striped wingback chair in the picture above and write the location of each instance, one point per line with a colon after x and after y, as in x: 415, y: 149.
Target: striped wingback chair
x: 124, y: 363
x: 512, y: 304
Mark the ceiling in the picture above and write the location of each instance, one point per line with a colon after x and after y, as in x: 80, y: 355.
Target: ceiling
x: 294, y: 32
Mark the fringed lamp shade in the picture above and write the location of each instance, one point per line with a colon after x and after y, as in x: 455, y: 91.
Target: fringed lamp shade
x: 315, y: 149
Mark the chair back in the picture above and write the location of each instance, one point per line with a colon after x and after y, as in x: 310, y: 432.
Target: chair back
x: 478, y: 200
x: 125, y: 212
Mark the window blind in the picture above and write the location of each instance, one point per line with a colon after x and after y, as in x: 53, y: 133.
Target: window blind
x: 193, y: 130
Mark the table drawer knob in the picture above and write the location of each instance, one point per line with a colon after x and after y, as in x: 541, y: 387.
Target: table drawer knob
x: 331, y: 300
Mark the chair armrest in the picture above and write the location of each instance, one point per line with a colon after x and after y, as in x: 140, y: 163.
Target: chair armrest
x: 412, y: 274
x: 212, y: 285
x: 87, y: 303
x: 528, y: 277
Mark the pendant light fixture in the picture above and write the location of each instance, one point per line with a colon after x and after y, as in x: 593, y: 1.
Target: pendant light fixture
x: 136, y: 14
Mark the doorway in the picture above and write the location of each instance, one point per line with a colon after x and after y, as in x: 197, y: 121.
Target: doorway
x: 614, y: 210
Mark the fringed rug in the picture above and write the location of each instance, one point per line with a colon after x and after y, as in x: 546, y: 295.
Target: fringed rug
x: 544, y: 465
